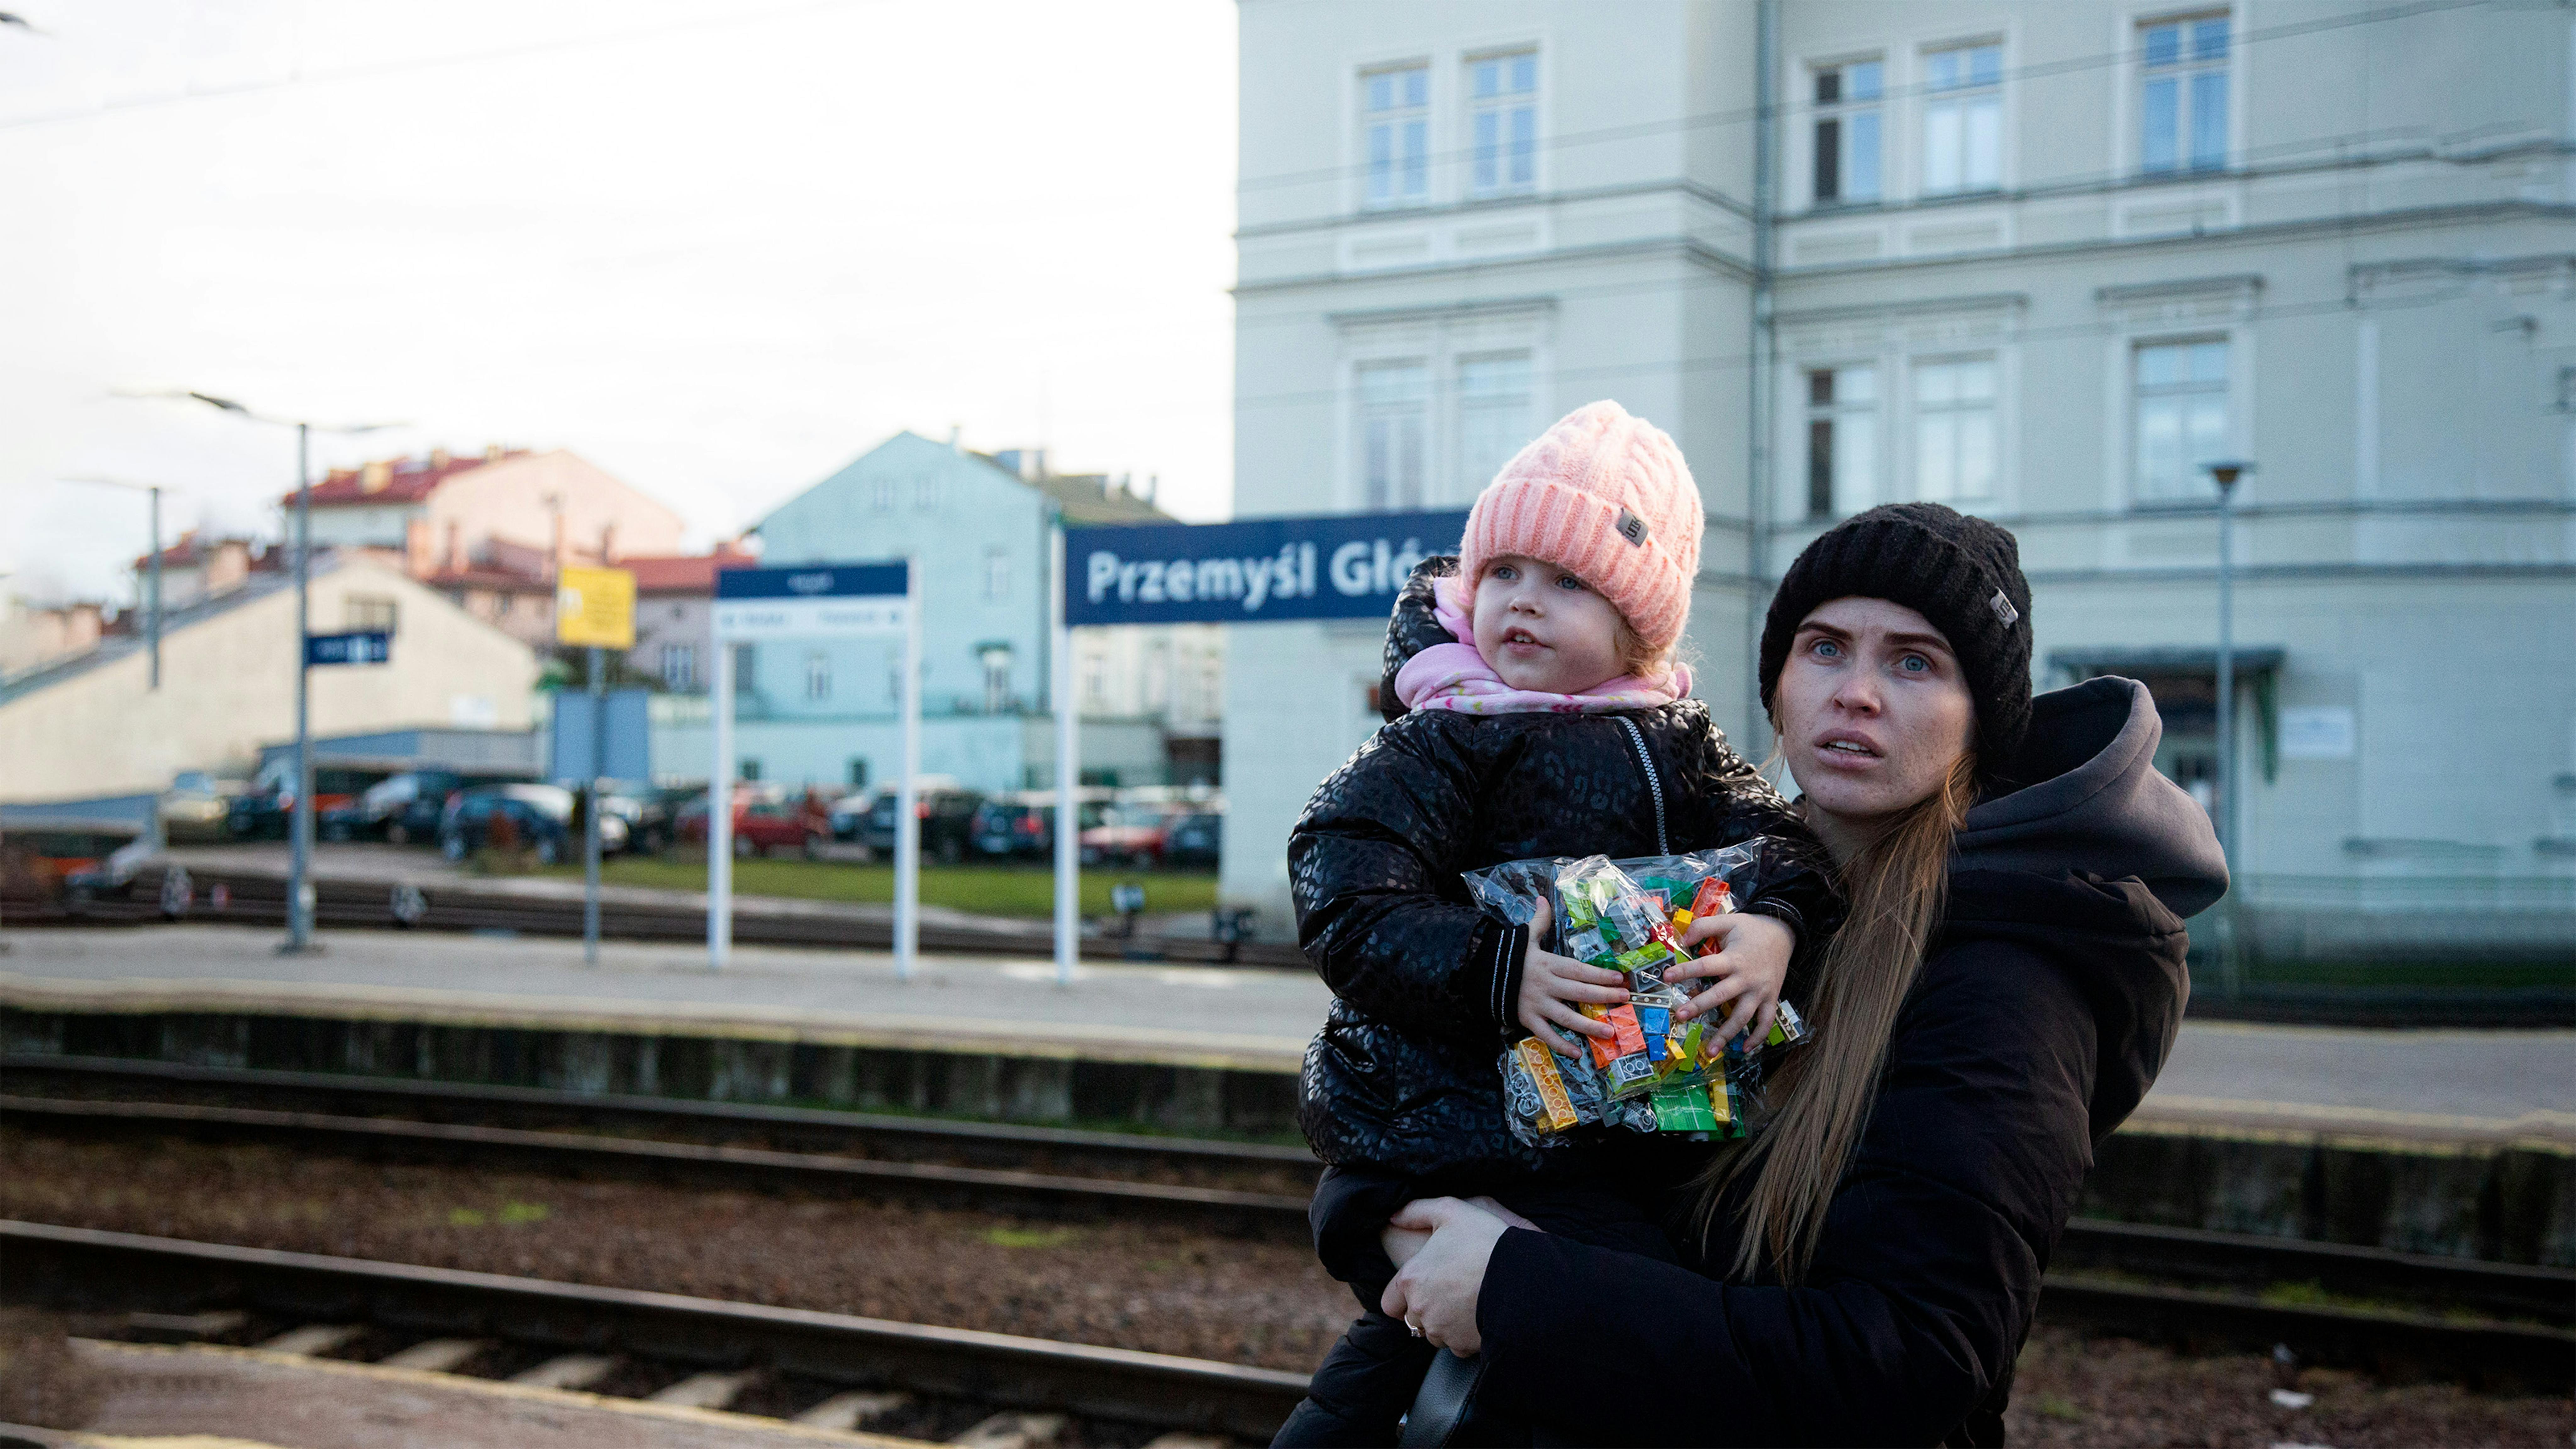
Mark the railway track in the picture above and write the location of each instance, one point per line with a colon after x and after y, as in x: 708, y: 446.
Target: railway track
x: 2329, y: 1302
x: 819, y: 1368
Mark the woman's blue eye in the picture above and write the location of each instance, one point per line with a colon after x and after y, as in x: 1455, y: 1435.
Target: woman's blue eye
x: 1916, y: 663
x: 1824, y: 648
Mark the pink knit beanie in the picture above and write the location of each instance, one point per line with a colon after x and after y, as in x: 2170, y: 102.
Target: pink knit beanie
x: 1609, y: 497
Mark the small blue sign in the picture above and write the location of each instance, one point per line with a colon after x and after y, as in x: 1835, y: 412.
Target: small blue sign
x: 816, y: 581
x: 1336, y: 566
x: 359, y: 646
x: 629, y: 736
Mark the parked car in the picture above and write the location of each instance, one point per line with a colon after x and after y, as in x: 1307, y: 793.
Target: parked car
x: 199, y: 807
x: 541, y: 816
x: 401, y: 808
x: 267, y: 809
x: 652, y: 816
x: 1130, y: 834
x: 1194, y: 840
x: 763, y: 824
x: 1024, y: 824
x: 947, y: 816
x: 849, y: 814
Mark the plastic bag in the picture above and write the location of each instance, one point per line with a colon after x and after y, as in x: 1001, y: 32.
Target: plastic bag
x: 1651, y: 1074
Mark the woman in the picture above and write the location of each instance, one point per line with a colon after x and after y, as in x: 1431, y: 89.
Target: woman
x: 2002, y: 996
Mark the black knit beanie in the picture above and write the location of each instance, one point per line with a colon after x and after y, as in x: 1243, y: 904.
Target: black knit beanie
x: 1962, y: 573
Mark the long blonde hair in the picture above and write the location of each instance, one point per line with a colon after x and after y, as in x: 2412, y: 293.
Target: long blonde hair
x: 1897, y: 884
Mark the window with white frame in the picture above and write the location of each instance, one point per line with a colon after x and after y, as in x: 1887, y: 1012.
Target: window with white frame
x: 997, y: 573
x: 2181, y: 419
x: 818, y: 676
x: 2182, y: 97
x: 1493, y: 416
x: 1954, y: 429
x: 1395, y: 134
x: 367, y: 611
x: 1502, y: 123
x: 1395, y: 424
x: 1963, y: 118
x: 925, y: 492
x: 1842, y: 440
x: 882, y: 495
x: 680, y: 666
x: 1847, y: 131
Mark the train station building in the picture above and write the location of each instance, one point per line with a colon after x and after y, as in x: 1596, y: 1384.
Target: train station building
x: 2037, y: 263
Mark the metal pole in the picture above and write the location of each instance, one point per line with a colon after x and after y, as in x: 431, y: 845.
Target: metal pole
x: 152, y: 620
x: 590, y: 817
x: 1068, y: 775
x: 2226, y: 821
x: 907, y: 824
x: 720, y: 814
x: 299, y: 882
x: 1758, y: 488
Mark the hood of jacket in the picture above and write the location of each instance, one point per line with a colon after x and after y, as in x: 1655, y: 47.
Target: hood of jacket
x: 2094, y: 860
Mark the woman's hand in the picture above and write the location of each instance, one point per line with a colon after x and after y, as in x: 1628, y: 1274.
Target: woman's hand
x: 1435, y: 1293
x: 1551, y: 985
x: 1749, y: 966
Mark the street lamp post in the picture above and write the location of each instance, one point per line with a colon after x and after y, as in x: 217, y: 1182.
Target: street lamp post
x: 2225, y: 473
x: 299, y: 870
x: 152, y: 591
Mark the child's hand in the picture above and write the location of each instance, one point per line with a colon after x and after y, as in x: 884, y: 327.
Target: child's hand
x: 1551, y: 984
x: 1751, y: 962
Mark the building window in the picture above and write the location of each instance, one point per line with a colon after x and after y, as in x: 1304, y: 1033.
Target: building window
x: 1395, y: 408
x: 1502, y: 123
x: 2181, y: 418
x: 1493, y: 416
x: 996, y: 659
x: 818, y: 676
x: 1095, y: 683
x: 997, y: 574
x: 367, y: 611
x: 1954, y: 429
x: 746, y: 665
x: 1842, y: 440
x: 1847, y: 98
x: 1963, y: 111
x: 2182, y: 101
x: 858, y: 772
x: 925, y: 492
x: 882, y: 495
x: 750, y: 769
x: 1395, y: 128
x: 679, y: 666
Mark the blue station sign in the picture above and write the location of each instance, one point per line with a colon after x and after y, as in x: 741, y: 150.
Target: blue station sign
x: 1336, y: 566
x: 358, y: 646
x: 818, y: 599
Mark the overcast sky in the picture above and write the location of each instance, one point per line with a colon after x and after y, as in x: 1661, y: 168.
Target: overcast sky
x: 717, y: 249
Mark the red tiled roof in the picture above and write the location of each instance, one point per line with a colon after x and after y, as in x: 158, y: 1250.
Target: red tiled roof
x: 189, y: 551
x: 683, y: 573
x: 412, y: 480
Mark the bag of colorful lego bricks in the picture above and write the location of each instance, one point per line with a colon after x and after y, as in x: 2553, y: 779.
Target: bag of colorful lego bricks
x: 1518, y: 890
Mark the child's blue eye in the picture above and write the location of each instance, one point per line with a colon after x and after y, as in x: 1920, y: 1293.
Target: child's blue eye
x: 1568, y: 581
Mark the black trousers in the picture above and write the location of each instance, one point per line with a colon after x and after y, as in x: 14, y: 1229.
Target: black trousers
x: 1366, y: 1383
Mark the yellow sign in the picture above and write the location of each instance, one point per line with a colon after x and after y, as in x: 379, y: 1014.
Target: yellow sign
x: 596, y: 607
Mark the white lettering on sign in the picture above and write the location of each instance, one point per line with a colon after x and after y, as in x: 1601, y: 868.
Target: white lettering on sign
x: 797, y: 618
x: 809, y: 583
x: 1287, y: 574
x: 1374, y: 568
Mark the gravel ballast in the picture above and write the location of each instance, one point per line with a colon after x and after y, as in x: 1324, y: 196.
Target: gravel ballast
x: 1132, y: 1285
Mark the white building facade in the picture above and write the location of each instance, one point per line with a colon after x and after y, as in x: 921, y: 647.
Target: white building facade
x: 2038, y: 261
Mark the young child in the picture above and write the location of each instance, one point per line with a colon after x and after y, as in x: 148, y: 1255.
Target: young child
x: 1535, y: 708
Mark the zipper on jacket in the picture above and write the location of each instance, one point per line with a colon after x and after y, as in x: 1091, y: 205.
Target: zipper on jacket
x: 1654, y: 782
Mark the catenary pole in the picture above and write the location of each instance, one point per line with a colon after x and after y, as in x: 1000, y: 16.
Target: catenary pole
x: 720, y: 813
x: 907, y: 821
x: 1068, y: 775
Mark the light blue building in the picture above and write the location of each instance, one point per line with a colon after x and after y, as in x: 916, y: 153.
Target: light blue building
x: 823, y: 712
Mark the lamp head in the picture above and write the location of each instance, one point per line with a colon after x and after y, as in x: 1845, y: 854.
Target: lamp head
x: 2226, y: 471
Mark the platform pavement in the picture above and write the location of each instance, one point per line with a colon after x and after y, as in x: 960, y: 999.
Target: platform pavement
x: 2439, y: 1084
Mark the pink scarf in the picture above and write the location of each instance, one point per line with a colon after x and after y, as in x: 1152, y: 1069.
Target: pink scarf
x: 1456, y: 677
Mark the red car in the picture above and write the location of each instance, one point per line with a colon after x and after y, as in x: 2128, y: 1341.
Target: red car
x: 1132, y: 834
x: 762, y: 826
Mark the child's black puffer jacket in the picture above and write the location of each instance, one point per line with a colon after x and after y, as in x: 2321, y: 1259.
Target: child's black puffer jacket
x: 1403, y: 1076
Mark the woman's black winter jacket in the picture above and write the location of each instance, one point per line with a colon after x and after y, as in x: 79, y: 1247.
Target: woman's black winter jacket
x: 2041, y: 1017
x: 1403, y: 1076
